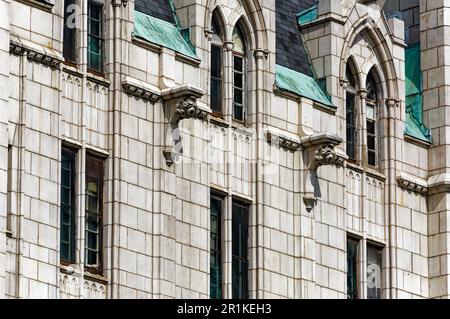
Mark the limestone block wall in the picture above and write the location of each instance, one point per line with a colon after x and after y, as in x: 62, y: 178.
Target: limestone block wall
x: 4, y: 158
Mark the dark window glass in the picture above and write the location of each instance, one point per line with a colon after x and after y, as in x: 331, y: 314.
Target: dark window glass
x: 351, y: 126
x: 216, y: 248
x: 239, y: 90
x: 216, y: 78
x: 95, y: 36
x: 94, y: 213
x: 69, y: 36
x: 9, y: 191
x: 352, y: 274
x: 240, y: 251
x: 68, y: 226
x: 371, y: 142
x: 374, y: 272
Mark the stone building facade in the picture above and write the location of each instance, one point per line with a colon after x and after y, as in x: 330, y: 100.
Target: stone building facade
x: 224, y: 149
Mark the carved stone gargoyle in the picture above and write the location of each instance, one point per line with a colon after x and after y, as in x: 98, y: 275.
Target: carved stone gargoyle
x: 180, y: 103
x: 320, y: 150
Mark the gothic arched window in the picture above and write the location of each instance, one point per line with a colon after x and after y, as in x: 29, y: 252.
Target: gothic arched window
x: 239, y: 74
x: 371, y: 120
x: 216, y: 66
x: 350, y: 112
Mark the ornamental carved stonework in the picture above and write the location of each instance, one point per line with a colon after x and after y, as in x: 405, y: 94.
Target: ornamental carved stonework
x: 412, y: 186
x: 187, y: 108
x: 140, y: 92
x: 327, y: 155
x: 38, y: 57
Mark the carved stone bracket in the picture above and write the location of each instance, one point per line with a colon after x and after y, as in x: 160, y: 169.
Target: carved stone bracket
x: 412, y: 184
x: 35, y: 53
x: 320, y: 151
x: 141, y: 90
x: 181, y: 103
x: 285, y: 140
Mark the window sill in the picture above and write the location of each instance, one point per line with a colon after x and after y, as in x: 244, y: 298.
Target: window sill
x: 217, y: 118
x: 39, y: 5
x: 98, y: 77
x: 68, y: 269
x: 95, y: 277
x: 239, y: 125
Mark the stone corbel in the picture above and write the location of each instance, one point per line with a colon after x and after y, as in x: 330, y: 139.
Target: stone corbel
x: 412, y: 184
x: 180, y: 104
x: 140, y: 90
x: 320, y: 150
x: 285, y: 140
x: 35, y: 52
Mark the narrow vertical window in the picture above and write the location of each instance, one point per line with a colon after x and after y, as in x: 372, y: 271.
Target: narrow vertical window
x: 352, y: 273
x: 69, y: 35
x: 94, y: 214
x: 374, y: 271
x: 95, y: 36
x: 239, y: 70
x: 350, y: 115
x: 9, y: 192
x: 240, y: 251
x: 216, y: 248
x: 216, y: 67
x: 68, y: 229
x: 351, y: 126
x: 371, y: 116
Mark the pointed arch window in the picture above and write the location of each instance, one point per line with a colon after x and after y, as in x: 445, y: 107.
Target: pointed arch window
x: 239, y: 74
x: 350, y: 112
x: 216, y: 67
x: 371, y: 121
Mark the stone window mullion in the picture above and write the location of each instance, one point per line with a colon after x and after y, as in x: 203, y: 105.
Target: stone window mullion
x: 362, y: 132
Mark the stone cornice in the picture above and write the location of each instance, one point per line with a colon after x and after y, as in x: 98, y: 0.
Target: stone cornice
x: 412, y: 183
x: 439, y: 183
x: 285, y: 140
x: 140, y: 90
x: 35, y: 52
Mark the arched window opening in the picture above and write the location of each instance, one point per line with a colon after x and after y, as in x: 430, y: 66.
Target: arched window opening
x: 371, y: 120
x: 351, y: 133
x: 239, y: 75
x: 216, y: 67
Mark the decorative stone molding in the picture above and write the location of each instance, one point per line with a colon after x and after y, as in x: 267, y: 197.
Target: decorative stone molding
x: 181, y: 102
x: 35, y: 52
x: 328, y: 155
x: 392, y: 102
x: 412, y: 183
x: 285, y: 140
x: 140, y: 90
x: 320, y: 150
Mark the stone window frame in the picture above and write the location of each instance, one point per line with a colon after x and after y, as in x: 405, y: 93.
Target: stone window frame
x: 228, y: 53
x: 363, y: 246
x: 242, y: 55
x: 99, y: 173
x: 221, y: 227
x: 72, y: 259
x: 68, y: 59
x: 100, y: 36
x: 228, y: 201
x: 360, y: 108
x: 82, y: 152
x: 217, y: 42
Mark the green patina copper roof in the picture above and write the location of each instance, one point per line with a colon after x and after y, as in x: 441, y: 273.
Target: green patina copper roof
x: 300, y: 84
x: 161, y: 32
x: 414, y: 125
x: 308, y: 15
